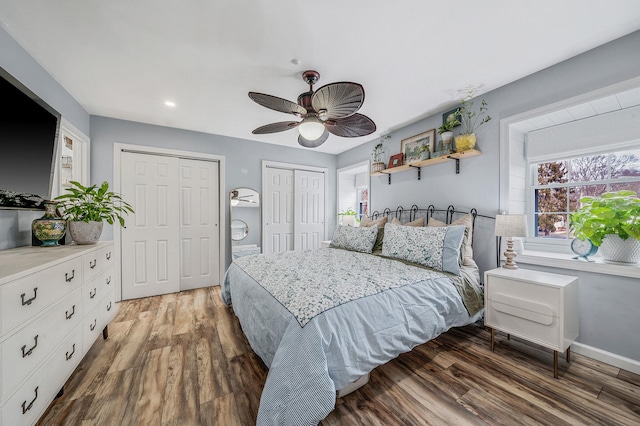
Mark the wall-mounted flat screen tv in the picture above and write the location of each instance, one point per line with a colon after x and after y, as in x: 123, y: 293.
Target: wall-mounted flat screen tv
x: 29, y: 131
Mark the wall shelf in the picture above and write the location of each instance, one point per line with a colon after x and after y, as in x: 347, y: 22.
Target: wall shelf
x: 455, y: 156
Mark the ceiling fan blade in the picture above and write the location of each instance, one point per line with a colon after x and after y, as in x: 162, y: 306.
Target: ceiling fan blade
x: 275, y: 127
x: 315, y: 143
x: 340, y: 100
x: 278, y: 104
x: 351, y: 127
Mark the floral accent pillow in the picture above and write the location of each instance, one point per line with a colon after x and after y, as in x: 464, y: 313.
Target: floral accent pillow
x: 367, y: 221
x: 355, y: 239
x: 434, y: 247
x: 467, y: 249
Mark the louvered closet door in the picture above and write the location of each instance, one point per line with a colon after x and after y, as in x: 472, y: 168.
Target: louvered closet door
x: 199, y: 224
x: 308, y: 209
x: 150, y: 251
x: 278, y: 210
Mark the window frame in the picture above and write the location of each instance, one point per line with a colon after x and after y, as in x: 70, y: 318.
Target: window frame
x: 532, y: 185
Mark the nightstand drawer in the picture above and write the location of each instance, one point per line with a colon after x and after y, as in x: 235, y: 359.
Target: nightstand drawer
x: 533, y: 326
x: 524, y: 308
x: 537, y: 295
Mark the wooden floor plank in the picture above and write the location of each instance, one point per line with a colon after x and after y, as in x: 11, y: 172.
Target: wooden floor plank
x: 182, y: 359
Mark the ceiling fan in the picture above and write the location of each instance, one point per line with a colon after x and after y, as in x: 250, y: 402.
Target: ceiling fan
x: 330, y: 109
x: 237, y: 199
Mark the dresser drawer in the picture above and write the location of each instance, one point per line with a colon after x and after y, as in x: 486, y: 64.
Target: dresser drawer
x: 535, y: 294
x: 28, y: 296
x: 97, y: 261
x: 96, y: 289
x: 26, y: 405
x: 30, y: 345
x: 98, y: 318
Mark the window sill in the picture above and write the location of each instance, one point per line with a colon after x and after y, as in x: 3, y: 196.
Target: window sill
x: 566, y: 261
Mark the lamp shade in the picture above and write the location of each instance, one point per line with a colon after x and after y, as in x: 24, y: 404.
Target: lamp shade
x: 511, y: 225
x: 311, y: 128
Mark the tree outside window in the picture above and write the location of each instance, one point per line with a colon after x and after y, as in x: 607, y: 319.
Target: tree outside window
x: 560, y: 185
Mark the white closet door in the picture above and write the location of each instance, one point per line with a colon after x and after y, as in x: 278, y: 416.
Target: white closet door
x: 150, y: 253
x: 308, y: 209
x: 199, y: 224
x: 278, y: 210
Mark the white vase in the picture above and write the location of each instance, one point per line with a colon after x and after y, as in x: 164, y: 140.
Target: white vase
x: 85, y: 232
x: 615, y: 249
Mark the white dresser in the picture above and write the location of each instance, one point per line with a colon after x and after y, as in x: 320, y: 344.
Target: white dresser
x: 54, y: 303
x: 537, y: 306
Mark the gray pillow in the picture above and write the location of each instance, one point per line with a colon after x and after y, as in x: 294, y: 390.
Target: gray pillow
x: 355, y: 239
x: 435, y: 247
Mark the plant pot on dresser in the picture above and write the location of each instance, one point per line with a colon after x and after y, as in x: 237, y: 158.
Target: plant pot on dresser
x: 54, y: 304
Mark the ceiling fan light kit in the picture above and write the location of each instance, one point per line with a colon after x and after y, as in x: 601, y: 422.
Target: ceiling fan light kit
x: 332, y: 109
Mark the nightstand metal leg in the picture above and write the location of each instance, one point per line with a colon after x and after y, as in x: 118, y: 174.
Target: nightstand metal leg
x: 555, y: 364
x: 569, y: 354
x: 493, y: 338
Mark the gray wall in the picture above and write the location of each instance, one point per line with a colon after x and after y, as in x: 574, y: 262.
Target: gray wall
x: 15, y: 226
x: 477, y: 185
x: 243, y: 158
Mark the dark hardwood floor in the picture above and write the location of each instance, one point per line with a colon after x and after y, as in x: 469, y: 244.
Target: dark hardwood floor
x: 181, y: 359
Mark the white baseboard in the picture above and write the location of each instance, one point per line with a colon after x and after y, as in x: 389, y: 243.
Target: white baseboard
x: 610, y: 358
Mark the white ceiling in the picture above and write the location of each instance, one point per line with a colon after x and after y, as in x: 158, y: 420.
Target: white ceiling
x: 124, y: 59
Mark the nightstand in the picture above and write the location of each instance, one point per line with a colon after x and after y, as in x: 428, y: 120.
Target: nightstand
x: 325, y: 244
x: 537, y: 306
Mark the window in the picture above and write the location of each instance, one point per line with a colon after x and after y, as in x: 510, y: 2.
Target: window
x: 559, y: 185
x: 363, y: 202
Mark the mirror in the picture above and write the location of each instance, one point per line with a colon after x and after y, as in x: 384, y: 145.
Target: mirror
x: 245, y: 221
x: 239, y: 230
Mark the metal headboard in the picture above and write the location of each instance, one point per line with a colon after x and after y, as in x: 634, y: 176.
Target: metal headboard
x: 414, y: 212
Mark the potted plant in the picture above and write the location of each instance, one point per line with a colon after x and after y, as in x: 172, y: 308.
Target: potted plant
x: 471, y: 120
x: 348, y: 217
x: 424, y: 152
x: 377, y: 164
x: 86, y: 207
x: 610, y: 221
x: 446, y: 130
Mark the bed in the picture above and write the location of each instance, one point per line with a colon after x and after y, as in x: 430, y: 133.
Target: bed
x: 322, y: 319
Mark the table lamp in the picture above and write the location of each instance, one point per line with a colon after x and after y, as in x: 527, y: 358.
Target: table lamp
x: 511, y: 225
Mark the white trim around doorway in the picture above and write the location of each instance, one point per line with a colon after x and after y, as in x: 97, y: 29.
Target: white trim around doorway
x: 118, y: 148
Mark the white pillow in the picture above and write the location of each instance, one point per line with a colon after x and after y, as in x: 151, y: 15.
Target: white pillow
x: 435, y: 247
x: 351, y: 238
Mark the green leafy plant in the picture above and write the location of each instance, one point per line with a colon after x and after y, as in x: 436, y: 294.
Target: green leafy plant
x: 472, y: 119
x: 348, y: 212
x: 93, y: 203
x: 451, y: 122
x: 610, y: 213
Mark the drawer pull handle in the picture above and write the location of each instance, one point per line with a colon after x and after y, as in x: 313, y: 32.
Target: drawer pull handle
x: 73, y: 351
x: 109, y: 280
x: 69, y: 315
x: 92, y: 326
x: 26, y: 407
x: 69, y: 278
x: 109, y: 307
x: 108, y: 255
x: 93, y: 264
x: 28, y: 301
x: 27, y: 353
x: 92, y: 295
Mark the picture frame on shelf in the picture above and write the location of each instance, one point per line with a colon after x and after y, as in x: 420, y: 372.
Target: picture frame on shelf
x: 448, y: 113
x: 411, y: 147
x: 395, y: 160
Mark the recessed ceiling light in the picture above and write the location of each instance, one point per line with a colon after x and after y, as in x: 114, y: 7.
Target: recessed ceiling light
x: 170, y: 104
